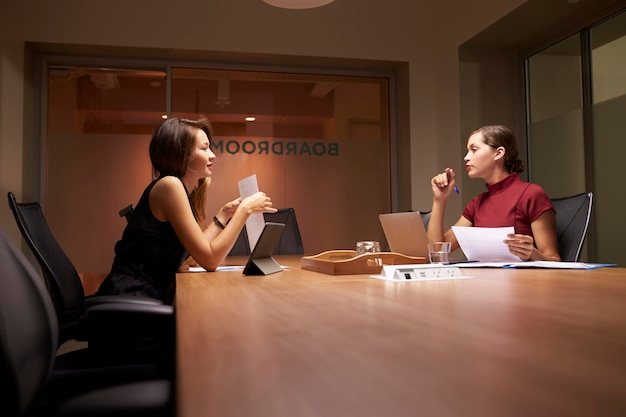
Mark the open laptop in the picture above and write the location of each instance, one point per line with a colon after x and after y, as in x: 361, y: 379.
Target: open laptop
x: 405, y: 233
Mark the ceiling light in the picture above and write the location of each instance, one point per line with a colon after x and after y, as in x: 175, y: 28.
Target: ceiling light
x: 298, y: 4
x: 250, y: 119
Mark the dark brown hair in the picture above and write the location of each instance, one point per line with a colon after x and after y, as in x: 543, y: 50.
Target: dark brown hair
x: 498, y: 135
x: 171, y: 149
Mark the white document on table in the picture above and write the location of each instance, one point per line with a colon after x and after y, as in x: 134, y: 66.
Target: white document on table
x: 534, y: 264
x: 256, y: 221
x: 485, y: 244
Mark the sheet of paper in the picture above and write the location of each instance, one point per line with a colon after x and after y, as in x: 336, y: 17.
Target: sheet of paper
x: 557, y: 265
x: 219, y: 268
x: 485, y: 244
x: 534, y: 264
x: 256, y: 221
x: 226, y: 268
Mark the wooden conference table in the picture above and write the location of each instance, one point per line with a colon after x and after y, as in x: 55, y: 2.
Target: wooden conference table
x: 298, y: 343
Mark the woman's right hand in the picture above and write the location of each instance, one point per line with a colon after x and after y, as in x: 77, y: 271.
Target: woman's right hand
x: 258, y: 202
x: 443, y: 184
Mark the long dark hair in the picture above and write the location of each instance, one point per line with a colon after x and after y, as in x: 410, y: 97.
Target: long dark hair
x: 498, y: 135
x: 171, y: 149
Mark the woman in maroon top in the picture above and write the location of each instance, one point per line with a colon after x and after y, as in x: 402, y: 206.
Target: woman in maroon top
x: 493, y: 156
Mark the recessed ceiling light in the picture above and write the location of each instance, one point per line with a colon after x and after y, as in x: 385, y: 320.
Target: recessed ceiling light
x: 298, y: 4
x: 250, y: 119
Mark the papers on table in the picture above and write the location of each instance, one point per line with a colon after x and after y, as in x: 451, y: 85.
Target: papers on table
x: 484, y: 247
x: 533, y: 264
x: 224, y: 268
x: 256, y: 221
x: 219, y: 268
x: 485, y: 244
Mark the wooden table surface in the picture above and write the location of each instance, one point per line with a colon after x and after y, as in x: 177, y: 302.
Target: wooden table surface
x: 297, y: 343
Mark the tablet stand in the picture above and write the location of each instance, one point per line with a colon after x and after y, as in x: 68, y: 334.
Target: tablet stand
x: 261, y: 261
x: 263, y: 266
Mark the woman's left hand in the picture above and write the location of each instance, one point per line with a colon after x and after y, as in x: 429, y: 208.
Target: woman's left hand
x: 229, y: 208
x: 521, y: 246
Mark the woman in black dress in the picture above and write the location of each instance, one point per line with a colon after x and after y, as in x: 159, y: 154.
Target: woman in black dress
x: 169, y: 224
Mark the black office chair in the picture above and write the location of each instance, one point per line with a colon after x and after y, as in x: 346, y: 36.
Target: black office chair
x: 290, y: 241
x: 241, y: 246
x: 120, y: 331
x: 572, y: 222
x: 62, y: 279
x: 425, y: 218
x: 28, y: 344
x: 127, y: 212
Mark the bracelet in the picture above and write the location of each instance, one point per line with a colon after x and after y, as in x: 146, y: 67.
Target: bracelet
x: 218, y: 222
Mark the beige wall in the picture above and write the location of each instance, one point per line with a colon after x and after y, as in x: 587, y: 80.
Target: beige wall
x: 424, y: 35
x: 451, y: 76
x: 444, y: 92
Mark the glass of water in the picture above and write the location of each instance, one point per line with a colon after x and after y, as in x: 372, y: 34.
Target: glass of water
x: 439, y: 252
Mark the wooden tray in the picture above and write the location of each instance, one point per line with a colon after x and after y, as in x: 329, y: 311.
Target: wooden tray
x: 346, y: 262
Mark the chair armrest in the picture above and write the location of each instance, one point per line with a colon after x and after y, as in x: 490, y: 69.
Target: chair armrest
x: 130, y: 331
x: 146, y: 398
x: 127, y: 319
x: 91, y: 301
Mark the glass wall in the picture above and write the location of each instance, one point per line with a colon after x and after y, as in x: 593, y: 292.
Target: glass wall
x: 311, y: 140
x: 575, y: 122
x: 608, y: 86
x: 555, y: 119
x: 98, y: 127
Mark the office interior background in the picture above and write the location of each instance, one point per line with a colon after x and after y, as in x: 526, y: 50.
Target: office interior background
x: 357, y: 104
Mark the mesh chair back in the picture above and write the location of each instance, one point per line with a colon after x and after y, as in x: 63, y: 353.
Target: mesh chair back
x: 241, y: 246
x: 290, y: 241
x: 28, y: 337
x: 425, y: 218
x: 127, y: 212
x: 572, y: 222
x: 61, y: 277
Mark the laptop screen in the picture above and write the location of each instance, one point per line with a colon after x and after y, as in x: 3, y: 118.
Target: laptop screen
x: 405, y: 233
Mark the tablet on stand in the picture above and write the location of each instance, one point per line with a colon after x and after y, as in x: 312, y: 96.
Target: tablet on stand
x: 261, y: 261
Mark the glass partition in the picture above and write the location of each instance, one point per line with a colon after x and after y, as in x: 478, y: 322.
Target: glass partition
x: 318, y: 143
x: 576, y: 104
x: 608, y: 86
x: 99, y: 122
x: 555, y: 119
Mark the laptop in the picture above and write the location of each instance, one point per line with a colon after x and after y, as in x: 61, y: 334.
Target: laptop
x: 405, y: 233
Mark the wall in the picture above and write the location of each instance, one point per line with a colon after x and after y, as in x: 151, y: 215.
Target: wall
x: 423, y: 37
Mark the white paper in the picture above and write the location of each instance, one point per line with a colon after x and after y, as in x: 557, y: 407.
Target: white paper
x: 219, y: 268
x: 256, y: 221
x: 534, y: 264
x: 225, y: 268
x: 485, y: 244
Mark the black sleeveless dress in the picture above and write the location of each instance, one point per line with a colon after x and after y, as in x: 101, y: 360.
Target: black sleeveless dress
x: 147, y: 257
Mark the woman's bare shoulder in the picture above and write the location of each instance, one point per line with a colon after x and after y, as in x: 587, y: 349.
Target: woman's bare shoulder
x: 168, y: 188
x: 168, y: 183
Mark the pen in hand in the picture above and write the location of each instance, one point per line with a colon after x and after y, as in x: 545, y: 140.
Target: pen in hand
x: 456, y: 189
